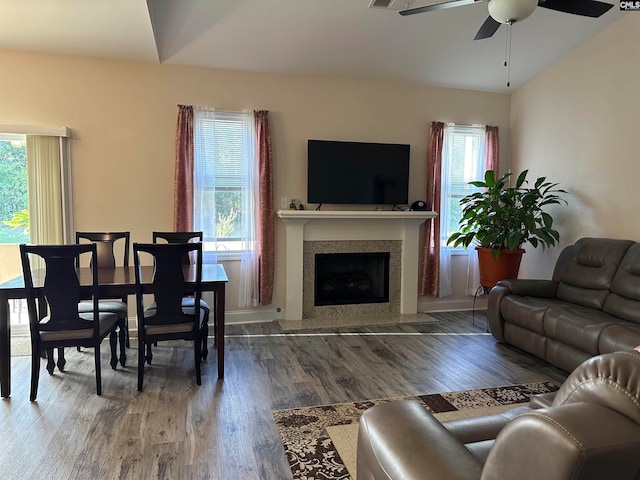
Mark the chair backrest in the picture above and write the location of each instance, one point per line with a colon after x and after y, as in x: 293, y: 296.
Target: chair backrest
x: 59, y: 286
x: 585, y: 270
x: 590, y: 431
x: 169, y: 283
x: 611, y: 380
x: 179, y: 237
x: 105, y: 246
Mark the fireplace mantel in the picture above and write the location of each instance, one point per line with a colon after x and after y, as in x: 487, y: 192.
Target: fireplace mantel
x: 326, y: 225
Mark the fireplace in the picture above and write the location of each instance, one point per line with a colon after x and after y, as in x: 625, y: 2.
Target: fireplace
x: 342, y: 231
x: 383, y: 258
x: 351, y: 278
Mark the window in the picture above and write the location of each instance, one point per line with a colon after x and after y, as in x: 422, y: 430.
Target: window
x: 35, y: 198
x: 14, y: 226
x: 224, y: 181
x: 462, y: 162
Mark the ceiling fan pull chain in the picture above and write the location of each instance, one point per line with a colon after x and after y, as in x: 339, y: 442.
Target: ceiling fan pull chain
x: 507, y: 53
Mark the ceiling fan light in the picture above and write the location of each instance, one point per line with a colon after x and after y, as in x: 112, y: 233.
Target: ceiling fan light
x: 510, y: 11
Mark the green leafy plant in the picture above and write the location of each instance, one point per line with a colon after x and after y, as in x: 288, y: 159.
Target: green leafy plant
x: 226, y: 224
x: 19, y: 219
x: 504, y: 217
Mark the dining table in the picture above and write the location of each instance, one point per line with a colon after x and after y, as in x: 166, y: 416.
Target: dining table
x: 114, y: 282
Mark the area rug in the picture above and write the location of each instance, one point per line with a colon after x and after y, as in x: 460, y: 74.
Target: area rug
x: 320, y: 442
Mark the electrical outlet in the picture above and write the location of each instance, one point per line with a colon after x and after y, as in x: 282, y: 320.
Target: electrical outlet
x: 284, y: 204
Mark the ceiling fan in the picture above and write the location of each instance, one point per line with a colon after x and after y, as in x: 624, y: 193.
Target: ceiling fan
x: 511, y: 11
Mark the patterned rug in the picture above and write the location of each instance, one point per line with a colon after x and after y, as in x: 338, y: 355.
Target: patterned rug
x: 320, y: 442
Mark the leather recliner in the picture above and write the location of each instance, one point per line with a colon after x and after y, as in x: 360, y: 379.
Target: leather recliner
x: 589, y: 429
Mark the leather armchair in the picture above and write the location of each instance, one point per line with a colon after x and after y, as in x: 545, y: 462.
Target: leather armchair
x: 590, y: 429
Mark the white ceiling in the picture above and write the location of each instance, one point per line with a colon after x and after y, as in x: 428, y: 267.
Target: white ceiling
x: 338, y: 38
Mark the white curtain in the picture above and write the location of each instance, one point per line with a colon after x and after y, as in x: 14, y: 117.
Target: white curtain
x: 473, y: 274
x: 204, y: 174
x: 462, y: 162
x: 208, y: 159
x: 44, y: 177
x: 445, y: 214
x: 249, y: 290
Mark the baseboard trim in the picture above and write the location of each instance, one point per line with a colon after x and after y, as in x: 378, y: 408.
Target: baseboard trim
x: 452, y: 305
x: 272, y: 314
x: 252, y: 316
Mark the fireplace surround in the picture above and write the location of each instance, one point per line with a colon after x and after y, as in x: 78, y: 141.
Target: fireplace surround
x: 400, y: 228
x: 377, y: 247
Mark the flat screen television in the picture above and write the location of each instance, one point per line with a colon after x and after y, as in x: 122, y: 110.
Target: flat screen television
x: 357, y: 173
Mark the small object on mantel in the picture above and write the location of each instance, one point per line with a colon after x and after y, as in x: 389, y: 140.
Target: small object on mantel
x: 292, y: 205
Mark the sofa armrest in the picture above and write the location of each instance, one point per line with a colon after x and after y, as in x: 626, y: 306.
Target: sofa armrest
x: 577, y: 440
x: 530, y: 288
x: 485, y: 427
x: 401, y: 440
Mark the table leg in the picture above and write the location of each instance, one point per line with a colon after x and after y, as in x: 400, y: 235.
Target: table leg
x: 5, y: 347
x: 219, y: 305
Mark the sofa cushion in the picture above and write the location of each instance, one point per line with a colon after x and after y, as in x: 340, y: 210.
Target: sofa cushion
x: 586, y: 277
x: 527, y: 312
x: 624, y: 300
x: 616, y: 338
x: 579, y: 327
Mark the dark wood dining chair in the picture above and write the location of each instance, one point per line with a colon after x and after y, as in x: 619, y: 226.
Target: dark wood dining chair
x: 60, y: 294
x: 186, y: 237
x: 168, y: 319
x: 106, y: 246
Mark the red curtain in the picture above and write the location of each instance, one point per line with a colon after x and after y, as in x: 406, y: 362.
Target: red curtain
x: 183, y: 176
x: 266, y: 213
x: 492, y: 149
x: 429, y: 284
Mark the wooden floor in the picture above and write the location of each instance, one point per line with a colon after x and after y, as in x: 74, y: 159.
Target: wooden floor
x: 225, y: 429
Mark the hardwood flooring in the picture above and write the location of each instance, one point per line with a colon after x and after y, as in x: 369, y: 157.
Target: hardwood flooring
x: 225, y: 429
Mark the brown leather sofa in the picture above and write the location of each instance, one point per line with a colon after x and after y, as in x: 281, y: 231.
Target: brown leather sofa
x: 589, y: 429
x: 590, y: 306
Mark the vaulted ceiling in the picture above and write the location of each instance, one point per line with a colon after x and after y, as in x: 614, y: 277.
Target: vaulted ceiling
x: 337, y: 38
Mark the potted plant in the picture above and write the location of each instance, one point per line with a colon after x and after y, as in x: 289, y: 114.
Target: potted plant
x: 501, y: 218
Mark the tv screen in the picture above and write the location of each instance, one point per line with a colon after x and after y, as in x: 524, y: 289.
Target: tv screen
x: 357, y: 173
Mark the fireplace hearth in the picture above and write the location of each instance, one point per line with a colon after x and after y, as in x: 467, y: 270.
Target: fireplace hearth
x: 351, y: 278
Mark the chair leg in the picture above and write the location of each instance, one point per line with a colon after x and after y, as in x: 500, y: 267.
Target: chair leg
x: 124, y: 343
x: 98, y: 372
x: 35, y: 374
x: 126, y: 332
x: 113, y: 341
x: 61, y: 361
x: 51, y: 364
x: 205, y: 341
x: 149, y: 355
x: 141, y: 359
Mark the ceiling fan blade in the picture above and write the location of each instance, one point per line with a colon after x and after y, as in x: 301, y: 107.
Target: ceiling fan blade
x: 488, y: 28
x: 586, y: 8
x: 439, y: 6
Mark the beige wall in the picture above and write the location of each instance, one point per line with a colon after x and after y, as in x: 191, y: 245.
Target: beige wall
x: 123, y: 116
x: 579, y: 124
